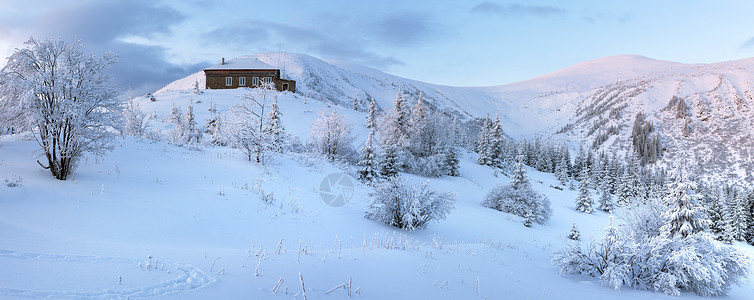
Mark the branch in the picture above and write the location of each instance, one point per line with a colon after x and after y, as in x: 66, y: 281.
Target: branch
x: 43, y: 167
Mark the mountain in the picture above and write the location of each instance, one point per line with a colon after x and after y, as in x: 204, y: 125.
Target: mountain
x: 699, y: 112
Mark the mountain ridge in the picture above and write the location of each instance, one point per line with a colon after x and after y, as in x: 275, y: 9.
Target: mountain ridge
x: 699, y: 111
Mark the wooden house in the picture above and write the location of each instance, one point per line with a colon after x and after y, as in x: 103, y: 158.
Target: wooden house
x: 245, y: 71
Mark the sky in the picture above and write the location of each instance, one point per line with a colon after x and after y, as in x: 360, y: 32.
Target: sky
x: 458, y: 43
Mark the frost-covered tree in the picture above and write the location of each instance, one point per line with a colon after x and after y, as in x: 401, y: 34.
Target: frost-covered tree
x: 275, y: 132
x: 189, y: 132
x: 371, y: 115
x: 626, y: 189
x: 65, y: 97
x: 519, y: 179
x: 331, y: 134
x: 451, y: 162
x: 246, y: 129
x: 408, y: 207
x: 606, y: 201
x: 135, y: 121
x: 175, y: 117
x: 389, y: 163
x: 645, y: 258
x: 214, y: 125
x: 574, y: 234
x: 685, y: 217
x: 495, y: 144
x: 367, y: 162
x: 584, y: 200
x: 561, y: 171
x: 197, y: 89
x: 519, y: 198
x: 483, y: 142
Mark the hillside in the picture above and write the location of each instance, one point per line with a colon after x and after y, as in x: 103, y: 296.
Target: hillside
x: 597, y: 99
x: 157, y: 220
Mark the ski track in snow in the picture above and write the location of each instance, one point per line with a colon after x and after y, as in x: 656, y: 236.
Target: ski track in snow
x: 190, y: 278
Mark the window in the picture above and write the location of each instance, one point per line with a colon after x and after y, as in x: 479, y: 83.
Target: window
x: 255, y: 81
x: 242, y: 81
x: 285, y: 86
x: 267, y: 79
x: 228, y: 81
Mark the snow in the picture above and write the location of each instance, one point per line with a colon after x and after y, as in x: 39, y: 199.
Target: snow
x: 198, y: 213
x: 242, y: 63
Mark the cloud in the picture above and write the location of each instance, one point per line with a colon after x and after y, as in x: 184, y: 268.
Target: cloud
x: 402, y: 29
x: 607, y: 17
x: 102, y: 21
x: 266, y: 35
x: 101, y: 24
x: 517, y: 9
x: 748, y: 44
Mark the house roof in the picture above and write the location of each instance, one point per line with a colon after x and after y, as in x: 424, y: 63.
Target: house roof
x: 242, y: 63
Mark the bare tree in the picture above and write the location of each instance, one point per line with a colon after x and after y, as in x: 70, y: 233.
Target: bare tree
x: 65, y: 97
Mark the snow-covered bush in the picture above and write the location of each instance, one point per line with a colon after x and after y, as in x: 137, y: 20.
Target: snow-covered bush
x: 13, y: 181
x: 136, y: 121
x: 408, y: 207
x: 524, y: 202
x: 519, y: 198
x: 674, y: 254
x: 331, y: 135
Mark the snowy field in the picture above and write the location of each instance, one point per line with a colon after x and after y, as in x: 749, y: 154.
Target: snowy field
x: 152, y: 219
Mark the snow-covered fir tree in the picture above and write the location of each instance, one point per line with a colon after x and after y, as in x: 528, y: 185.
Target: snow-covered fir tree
x: 367, y: 162
x: 685, y: 217
x: 371, y: 115
x: 189, y: 132
x: 584, y: 200
x: 495, y: 145
x: 574, y: 234
x: 483, y: 143
x: 389, y: 163
x: 606, y: 201
x: 275, y: 131
x: 519, y: 179
x: 197, y: 89
x: 451, y: 162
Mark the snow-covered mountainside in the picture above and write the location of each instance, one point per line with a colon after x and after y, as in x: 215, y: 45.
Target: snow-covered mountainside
x: 159, y: 219
x: 700, y: 111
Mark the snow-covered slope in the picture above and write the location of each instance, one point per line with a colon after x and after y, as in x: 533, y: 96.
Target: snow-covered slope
x: 155, y: 220
x: 577, y: 104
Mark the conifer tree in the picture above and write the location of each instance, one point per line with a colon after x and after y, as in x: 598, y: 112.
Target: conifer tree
x: 685, y: 217
x: 606, y: 201
x: 584, y: 199
x: 371, y: 115
x: 483, y: 142
x: 367, y: 172
x: 495, y: 144
x: 389, y: 163
x: 574, y: 234
x: 451, y: 161
x: 519, y: 179
x: 275, y: 130
x: 189, y: 132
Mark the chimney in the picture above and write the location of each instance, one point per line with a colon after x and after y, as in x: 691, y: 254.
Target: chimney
x: 223, y: 61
